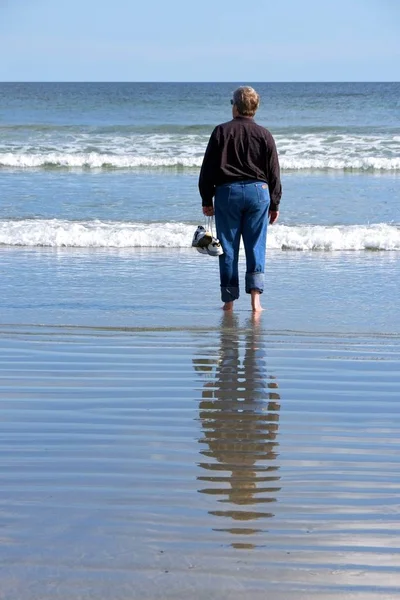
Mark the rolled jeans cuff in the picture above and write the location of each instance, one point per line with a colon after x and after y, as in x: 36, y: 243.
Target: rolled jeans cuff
x: 229, y: 293
x: 254, y: 281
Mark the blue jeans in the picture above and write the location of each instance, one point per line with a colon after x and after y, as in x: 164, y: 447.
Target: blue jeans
x: 241, y: 210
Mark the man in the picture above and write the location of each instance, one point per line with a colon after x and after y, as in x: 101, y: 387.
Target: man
x: 241, y: 170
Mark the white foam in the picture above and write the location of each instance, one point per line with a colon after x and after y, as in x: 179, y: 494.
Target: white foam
x: 340, y: 164
x: 351, y: 237
x: 93, y: 160
x: 314, y: 151
x: 96, y: 234
x: 93, y: 234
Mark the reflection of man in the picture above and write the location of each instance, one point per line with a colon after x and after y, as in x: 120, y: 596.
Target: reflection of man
x: 239, y: 417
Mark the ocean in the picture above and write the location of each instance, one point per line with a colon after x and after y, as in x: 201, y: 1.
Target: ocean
x: 150, y: 445
x: 114, y: 167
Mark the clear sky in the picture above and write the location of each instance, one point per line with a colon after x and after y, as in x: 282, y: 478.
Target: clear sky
x: 200, y: 40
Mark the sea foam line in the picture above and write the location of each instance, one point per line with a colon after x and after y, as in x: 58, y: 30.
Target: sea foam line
x: 94, y: 160
x: 59, y: 233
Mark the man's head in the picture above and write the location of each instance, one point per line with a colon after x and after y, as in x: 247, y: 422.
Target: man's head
x: 246, y: 101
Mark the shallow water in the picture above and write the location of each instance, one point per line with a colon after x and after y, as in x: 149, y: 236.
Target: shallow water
x: 150, y: 445
x: 304, y: 291
x: 223, y: 462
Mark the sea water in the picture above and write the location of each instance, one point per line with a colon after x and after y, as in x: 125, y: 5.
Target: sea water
x: 87, y: 169
x: 151, y: 444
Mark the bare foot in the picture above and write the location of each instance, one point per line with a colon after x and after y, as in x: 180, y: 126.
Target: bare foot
x: 228, y: 306
x: 255, y: 301
x: 257, y: 309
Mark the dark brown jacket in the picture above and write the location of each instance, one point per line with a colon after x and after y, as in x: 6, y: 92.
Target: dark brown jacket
x: 240, y: 150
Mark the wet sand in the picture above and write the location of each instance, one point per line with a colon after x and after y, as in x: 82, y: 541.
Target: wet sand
x: 187, y: 462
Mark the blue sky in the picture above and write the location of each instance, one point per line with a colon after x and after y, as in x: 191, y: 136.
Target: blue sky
x: 211, y: 40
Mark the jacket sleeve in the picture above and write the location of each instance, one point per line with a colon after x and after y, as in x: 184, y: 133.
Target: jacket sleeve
x: 274, y: 175
x: 209, y: 169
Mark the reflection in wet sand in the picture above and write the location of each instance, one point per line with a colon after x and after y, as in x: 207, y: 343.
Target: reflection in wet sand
x: 240, y: 419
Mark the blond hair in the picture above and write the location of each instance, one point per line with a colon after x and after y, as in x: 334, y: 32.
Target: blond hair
x: 246, y: 100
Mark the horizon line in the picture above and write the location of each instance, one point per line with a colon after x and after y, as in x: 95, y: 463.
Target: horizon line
x: 192, y: 81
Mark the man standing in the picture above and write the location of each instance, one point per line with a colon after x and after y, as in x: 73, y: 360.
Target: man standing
x: 241, y: 170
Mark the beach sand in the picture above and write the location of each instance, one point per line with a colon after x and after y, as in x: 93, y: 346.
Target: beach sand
x: 175, y: 451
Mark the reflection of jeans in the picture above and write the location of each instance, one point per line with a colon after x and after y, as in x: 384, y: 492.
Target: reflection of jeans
x: 241, y: 209
x: 239, y: 415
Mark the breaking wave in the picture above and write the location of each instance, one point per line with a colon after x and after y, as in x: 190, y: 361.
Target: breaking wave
x: 58, y: 233
x: 75, y: 149
x: 94, y: 160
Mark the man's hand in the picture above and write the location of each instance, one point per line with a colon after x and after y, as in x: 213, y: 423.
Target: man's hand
x: 273, y: 216
x: 208, y: 211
